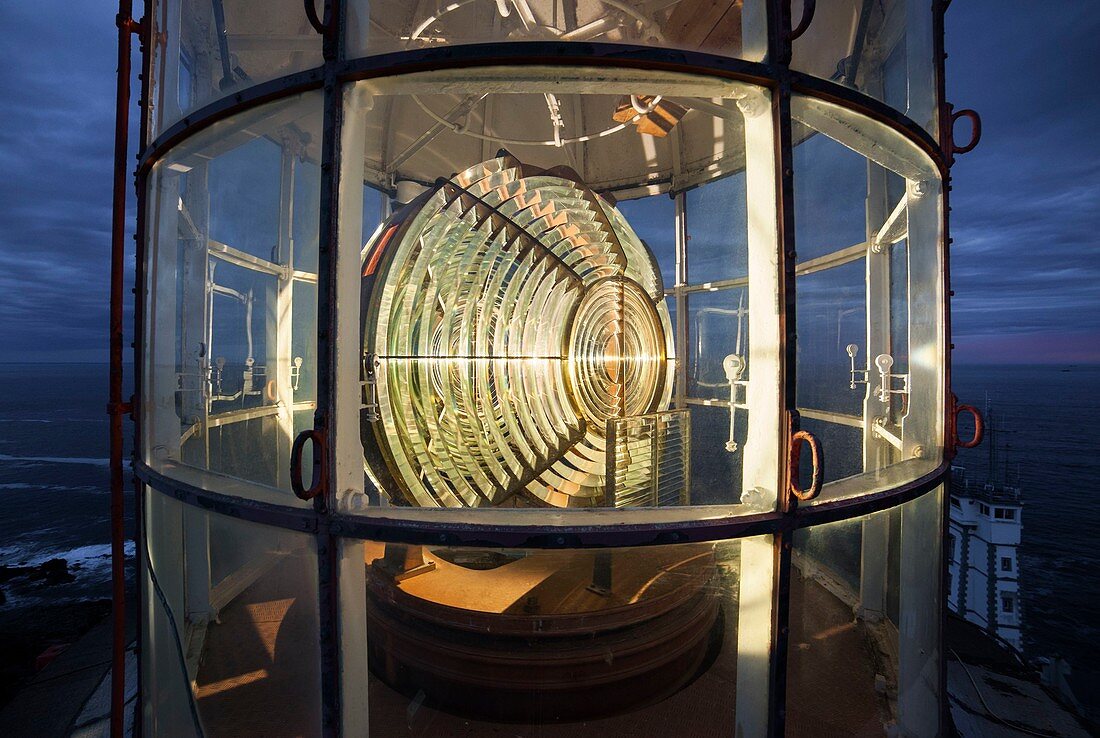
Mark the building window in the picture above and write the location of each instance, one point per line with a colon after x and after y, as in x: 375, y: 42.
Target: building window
x: 951, y: 548
x: 983, y: 509
x: 1004, y: 513
x: 1006, y: 563
x: 1008, y: 604
x: 955, y: 502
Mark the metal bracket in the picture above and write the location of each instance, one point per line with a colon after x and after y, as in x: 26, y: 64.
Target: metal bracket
x: 734, y: 367
x: 121, y: 408
x: 219, y: 365
x: 853, y: 350
x: 126, y: 23
x: 878, y: 427
x: 883, y: 362
x: 295, y: 373
x: 370, y: 387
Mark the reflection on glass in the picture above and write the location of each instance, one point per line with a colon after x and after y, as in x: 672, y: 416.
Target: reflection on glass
x: 531, y: 336
x: 726, y: 27
x: 243, y: 600
x: 864, y: 629
x: 626, y: 641
x: 653, y: 218
x: 869, y: 291
x: 718, y: 330
x: 880, y: 47
x: 232, y: 298
x: 718, y: 230
x: 208, y: 50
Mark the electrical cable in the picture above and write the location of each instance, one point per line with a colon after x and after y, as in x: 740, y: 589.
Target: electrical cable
x: 989, y: 710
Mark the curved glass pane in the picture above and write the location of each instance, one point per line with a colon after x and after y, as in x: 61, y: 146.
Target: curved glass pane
x: 231, y: 626
x: 205, y: 51
x: 882, y: 48
x: 653, y: 641
x: 728, y: 27
x: 870, y: 300
x: 567, y: 298
x: 879, y: 672
x: 232, y: 296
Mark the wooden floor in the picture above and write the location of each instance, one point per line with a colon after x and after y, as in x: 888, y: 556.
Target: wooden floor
x: 260, y: 677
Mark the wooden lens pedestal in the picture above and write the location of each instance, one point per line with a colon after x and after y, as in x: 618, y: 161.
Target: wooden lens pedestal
x: 542, y: 635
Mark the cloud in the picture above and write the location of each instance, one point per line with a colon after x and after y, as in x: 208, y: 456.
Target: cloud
x: 56, y: 154
x: 1026, y: 202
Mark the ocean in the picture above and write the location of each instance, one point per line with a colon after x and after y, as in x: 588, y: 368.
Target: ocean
x: 54, y: 491
x: 1044, y: 416
x: 54, y: 479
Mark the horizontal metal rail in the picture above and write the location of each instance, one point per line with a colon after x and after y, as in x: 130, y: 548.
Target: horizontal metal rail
x: 653, y: 527
x: 545, y: 54
x: 854, y: 421
x: 234, y: 256
x: 831, y: 260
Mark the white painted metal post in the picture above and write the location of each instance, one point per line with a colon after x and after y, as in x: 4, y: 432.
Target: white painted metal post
x: 760, y: 455
x: 348, y: 479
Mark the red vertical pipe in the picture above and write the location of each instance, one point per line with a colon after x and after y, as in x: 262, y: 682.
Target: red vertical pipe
x: 116, y: 407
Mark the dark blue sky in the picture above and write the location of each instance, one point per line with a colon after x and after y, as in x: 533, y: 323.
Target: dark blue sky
x: 1026, y: 202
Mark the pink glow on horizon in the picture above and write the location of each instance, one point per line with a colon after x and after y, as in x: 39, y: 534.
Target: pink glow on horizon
x: 1079, y: 347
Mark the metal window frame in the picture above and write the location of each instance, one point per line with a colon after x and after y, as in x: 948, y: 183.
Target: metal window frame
x: 328, y: 526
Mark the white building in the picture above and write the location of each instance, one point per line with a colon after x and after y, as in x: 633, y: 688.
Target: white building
x: 983, y: 582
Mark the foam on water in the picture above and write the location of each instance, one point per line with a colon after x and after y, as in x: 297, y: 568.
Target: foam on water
x: 49, y: 487
x: 56, y: 460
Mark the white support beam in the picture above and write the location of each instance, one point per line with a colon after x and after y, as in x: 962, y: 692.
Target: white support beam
x: 279, y: 320
x: 760, y: 455
x: 348, y: 477
x: 920, y: 643
x: 195, y: 347
x: 161, y: 424
x: 894, y: 229
x: 876, y: 453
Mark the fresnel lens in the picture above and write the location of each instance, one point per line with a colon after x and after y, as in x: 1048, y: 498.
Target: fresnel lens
x: 513, y: 321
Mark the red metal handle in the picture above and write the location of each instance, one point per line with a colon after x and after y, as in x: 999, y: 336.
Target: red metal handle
x: 809, y: 7
x: 979, y: 426
x: 318, y: 483
x: 975, y: 131
x: 794, y: 485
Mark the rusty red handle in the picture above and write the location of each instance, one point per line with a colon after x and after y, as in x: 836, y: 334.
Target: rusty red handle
x: 317, y: 483
x: 975, y: 131
x: 817, y: 456
x: 979, y: 426
x: 809, y: 7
